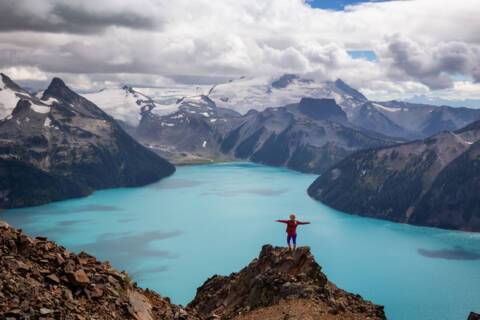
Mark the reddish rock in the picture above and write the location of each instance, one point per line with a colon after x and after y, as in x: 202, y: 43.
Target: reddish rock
x: 22, y: 266
x: 79, y: 277
x: 53, y: 278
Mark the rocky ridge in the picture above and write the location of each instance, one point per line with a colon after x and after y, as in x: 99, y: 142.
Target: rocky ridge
x: 431, y: 182
x: 276, y: 278
x: 41, y: 280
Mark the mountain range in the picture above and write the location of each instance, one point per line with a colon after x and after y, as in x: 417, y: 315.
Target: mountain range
x: 307, y: 136
x: 391, y: 118
x: 262, y: 120
x: 57, y: 144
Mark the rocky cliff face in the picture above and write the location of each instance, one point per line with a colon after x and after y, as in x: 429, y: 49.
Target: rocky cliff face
x: 39, y: 279
x: 62, y: 145
x: 278, y: 278
x: 431, y: 182
x: 322, y: 109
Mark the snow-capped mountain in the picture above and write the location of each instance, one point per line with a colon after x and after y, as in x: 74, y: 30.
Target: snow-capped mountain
x: 260, y: 93
x: 127, y: 104
x: 61, y: 145
x: 241, y: 95
x: 392, y: 118
x: 124, y: 104
x: 131, y: 105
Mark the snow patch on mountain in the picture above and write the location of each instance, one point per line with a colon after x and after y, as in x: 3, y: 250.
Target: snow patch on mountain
x: 387, y: 109
x: 8, y: 99
x: 260, y: 93
x: 47, y: 122
x: 40, y: 109
x: 127, y: 103
x: 118, y: 102
x: 50, y: 101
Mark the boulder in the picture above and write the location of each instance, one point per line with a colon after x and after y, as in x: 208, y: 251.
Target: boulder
x: 80, y: 278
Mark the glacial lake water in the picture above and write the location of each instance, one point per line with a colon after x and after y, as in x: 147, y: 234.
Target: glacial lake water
x: 213, y: 219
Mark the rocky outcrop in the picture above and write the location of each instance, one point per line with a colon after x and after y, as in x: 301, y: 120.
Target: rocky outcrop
x: 474, y: 316
x: 431, y: 182
x: 278, y: 278
x: 41, y: 280
x: 62, y: 145
x: 322, y: 109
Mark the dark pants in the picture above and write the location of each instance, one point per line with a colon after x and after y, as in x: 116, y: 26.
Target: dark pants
x: 292, y: 238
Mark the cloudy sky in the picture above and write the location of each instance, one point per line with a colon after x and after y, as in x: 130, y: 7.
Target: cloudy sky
x: 427, y: 49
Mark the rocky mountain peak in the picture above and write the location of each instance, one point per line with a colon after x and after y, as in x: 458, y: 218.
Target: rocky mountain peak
x: 276, y: 276
x: 284, y: 81
x: 342, y: 85
x: 279, y: 259
x: 9, y: 83
x: 287, y: 79
x: 58, y: 89
x: 322, y: 109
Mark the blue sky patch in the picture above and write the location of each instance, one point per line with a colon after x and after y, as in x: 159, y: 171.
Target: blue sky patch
x: 363, y: 54
x: 335, y: 4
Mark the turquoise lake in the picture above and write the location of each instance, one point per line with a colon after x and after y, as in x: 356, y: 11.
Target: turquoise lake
x: 213, y: 219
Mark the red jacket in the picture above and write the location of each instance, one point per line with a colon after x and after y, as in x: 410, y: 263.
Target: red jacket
x: 292, y: 226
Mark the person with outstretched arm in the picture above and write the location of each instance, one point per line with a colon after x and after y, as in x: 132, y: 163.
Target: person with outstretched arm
x: 292, y: 230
